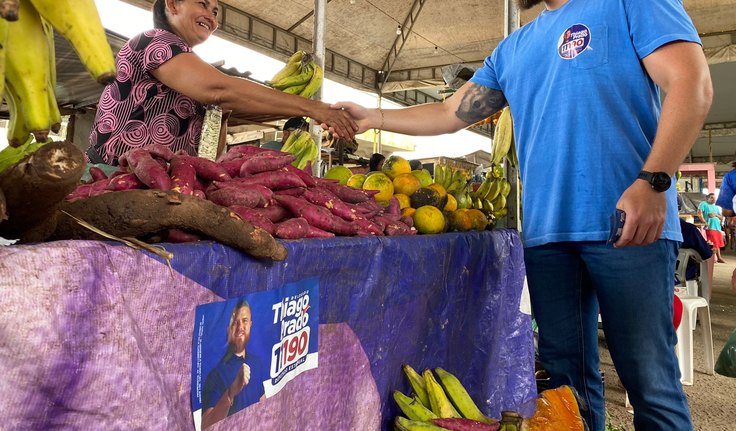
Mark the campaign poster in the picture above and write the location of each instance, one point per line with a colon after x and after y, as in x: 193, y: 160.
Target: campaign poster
x: 247, y: 349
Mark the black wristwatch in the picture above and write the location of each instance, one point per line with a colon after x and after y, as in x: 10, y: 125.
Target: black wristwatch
x: 660, y: 181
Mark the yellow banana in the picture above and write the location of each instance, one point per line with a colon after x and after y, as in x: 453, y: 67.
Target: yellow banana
x: 417, y: 384
x: 502, y: 136
x: 441, y: 405
x: 403, y: 424
x: 3, y: 42
x: 506, y: 187
x: 314, y: 84
x: 79, y: 22
x: 297, y: 89
x: 494, y: 190
x: 487, y: 208
x: 9, y: 9
x: 54, y: 113
x: 501, y: 213
x: 413, y: 408
x: 18, y: 134
x: 27, y: 69
x: 301, y: 79
x: 291, y: 145
x: 290, y: 68
x: 499, y: 203
x: 459, y: 396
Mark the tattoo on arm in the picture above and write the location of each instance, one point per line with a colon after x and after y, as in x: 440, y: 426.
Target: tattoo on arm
x: 479, y: 102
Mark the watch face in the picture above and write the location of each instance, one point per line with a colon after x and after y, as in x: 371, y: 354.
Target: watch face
x: 661, y: 181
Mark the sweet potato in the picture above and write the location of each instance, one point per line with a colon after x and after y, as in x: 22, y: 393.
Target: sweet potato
x: 97, y: 173
x: 264, y: 162
x: 275, y: 180
x: 296, y: 192
x: 231, y: 196
x: 462, y: 424
x: 398, y: 228
x: 148, y: 170
x: 122, y: 182
x: 317, y: 216
x: 345, y: 193
x: 394, y: 207
x: 183, y: 175
x: 324, y: 198
x: 232, y: 166
x: 265, y: 191
x: 180, y: 236
x: 81, y: 192
x: 409, y: 221
x: 275, y: 213
x: 305, y: 176
x: 255, y: 217
x: 207, y: 169
x: 295, y: 228
x: 160, y: 151
x: 315, y: 232
x: 247, y: 150
x: 367, y: 227
x: 199, y: 194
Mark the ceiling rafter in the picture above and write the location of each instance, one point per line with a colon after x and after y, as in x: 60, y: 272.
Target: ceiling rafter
x: 404, y: 32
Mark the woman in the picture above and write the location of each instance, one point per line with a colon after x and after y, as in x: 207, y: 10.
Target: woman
x: 162, y: 87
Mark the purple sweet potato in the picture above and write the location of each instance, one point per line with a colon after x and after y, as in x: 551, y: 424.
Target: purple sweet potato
x: 160, y: 151
x: 304, y: 175
x: 394, y: 207
x: 462, y: 424
x: 265, y: 191
x: 317, y: 216
x: 345, y: 193
x: 81, y: 192
x: 275, y: 180
x: 207, y: 169
x: 323, y: 197
x: 148, y: 170
x: 296, y: 192
x: 397, y: 228
x: 264, y: 162
x: 275, y: 213
x: 367, y: 227
x: 122, y: 182
x: 295, y: 228
x: 97, y: 173
x: 180, y: 236
x: 247, y: 150
x: 232, y: 166
x: 200, y: 194
x: 407, y: 220
x: 315, y: 232
x: 183, y: 175
x: 231, y: 196
x: 255, y: 217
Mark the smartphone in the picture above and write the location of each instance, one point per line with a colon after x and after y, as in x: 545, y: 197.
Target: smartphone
x: 617, y: 226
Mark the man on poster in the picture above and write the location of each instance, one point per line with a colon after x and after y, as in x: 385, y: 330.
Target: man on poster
x: 237, y: 380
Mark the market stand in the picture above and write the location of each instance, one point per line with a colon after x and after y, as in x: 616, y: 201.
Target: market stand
x: 98, y: 335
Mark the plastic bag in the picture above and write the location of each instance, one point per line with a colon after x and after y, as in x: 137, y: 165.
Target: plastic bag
x: 557, y: 410
x: 726, y: 363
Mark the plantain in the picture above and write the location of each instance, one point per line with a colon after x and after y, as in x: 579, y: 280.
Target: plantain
x: 502, y: 136
x: 440, y: 404
x: 487, y: 206
x: 506, y: 187
x: 27, y: 70
x: 403, y: 424
x: 494, y: 190
x: 459, y: 396
x: 9, y: 9
x: 3, y: 44
x: 54, y: 115
x: 79, y: 22
x: 18, y: 134
x: 412, y: 407
x: 314, y: 84
x: 438, y: 173
x: 499, y: 203
x: 290, y: 68
x: 306, y: 73
x: 417, y: 383
x: 297, y: 89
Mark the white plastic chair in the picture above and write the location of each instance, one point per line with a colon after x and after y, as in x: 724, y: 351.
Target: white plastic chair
x: 684, y: 348
x: 698, y: 287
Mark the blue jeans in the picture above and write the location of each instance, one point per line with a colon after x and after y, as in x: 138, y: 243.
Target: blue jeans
x: 634, y: 288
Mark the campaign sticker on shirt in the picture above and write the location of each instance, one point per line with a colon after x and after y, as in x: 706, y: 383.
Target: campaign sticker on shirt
x: 574, y: 41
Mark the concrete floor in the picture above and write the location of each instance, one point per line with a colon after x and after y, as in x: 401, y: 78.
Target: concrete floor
x: 712, y: 398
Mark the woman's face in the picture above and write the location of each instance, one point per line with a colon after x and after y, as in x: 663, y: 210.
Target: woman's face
x: 193, y: 20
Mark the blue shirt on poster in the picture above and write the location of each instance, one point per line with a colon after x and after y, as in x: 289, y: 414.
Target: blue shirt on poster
x: 586, y: 126
x: 222, y: 376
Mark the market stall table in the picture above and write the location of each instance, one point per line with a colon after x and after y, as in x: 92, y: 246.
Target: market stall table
x: 96, y: 335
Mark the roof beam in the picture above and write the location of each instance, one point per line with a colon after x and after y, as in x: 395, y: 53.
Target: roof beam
x: 399, y: 42
x: 304, y: 18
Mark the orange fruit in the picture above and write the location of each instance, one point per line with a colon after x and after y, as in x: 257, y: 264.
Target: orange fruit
x: 403, y: 199
x: 429, y: 219
x: 461, y: 221
x: 441, y: 190
x: 408, y: 212
x: 478, y: 219
x: 395, y: 166
x: 406, y: 184
x: 451, y: 204
x: 339, y: 172
x: 425, y: 178
x: 356, y: 181
x: 382, y: 183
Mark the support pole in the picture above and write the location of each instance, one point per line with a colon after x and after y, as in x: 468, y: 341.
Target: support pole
x: 318, y: 48
x: 513, y: 219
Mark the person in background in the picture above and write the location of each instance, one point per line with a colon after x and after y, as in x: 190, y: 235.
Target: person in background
x: 292, y: 125
x: 728, y: 192
x: 710, y: 214
x: 610, y: 146
x: 693, y: 238
x: 416, y: 165
x: 376, y: 162
x: 162, y: 88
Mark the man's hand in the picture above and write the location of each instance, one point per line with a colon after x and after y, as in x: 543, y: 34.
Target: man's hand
x: 645, y: 214
x: 364, y: 118
x: 336, y: 121
x: 241, y: 381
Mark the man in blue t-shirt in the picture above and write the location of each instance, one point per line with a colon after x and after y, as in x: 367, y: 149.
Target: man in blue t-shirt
x: 583, y: 83
x: 237, y: 380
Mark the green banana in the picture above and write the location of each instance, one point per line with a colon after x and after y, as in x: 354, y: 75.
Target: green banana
x: 302, y: 78
x: 506, y: 187
x: 438, y: 173
x: 502, y: 136
x: 79, y: 22
x: 456, y: 185
x: 441, y: 405
x: 413, y: 408
x: 501, y: 212
x: 18, y: 134
x: 494, y: 190
x: 291, y: 146
x: 499, y: 203
x: 314, y: 84
x: 292, y: 67
x: 3, y: 41
x: 297, y: 89
x: 487, y: 206
x: 459, y: 396
x: 417, y: 383
x: 27, y: 69
x: 403, y: 424
x: 54, y: 113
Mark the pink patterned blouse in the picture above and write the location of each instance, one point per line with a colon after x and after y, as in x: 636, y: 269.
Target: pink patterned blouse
x: 137, y: 110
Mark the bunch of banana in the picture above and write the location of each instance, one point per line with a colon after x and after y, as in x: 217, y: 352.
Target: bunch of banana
x: 301, y: 145
x: 452, y: 178
x: 28, y: 61
x: 503, y: 139
x: 491, y: 196
x: 436, y: 399
x: 300, y: 76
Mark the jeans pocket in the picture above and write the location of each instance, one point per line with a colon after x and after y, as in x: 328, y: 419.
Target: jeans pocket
x: 596, y: 53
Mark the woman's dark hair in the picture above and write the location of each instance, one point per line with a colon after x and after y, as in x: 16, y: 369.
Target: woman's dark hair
x: 375, y: 160
x: 159, y: 15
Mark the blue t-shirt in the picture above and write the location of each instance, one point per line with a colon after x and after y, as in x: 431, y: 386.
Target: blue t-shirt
x: 728, y: 190
x: 223, y: 375
x: 714, y: 223
x: 585, y: 110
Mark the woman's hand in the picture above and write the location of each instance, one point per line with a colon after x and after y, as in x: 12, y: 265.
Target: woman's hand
x: 365, y: 118
x: 337, y: 121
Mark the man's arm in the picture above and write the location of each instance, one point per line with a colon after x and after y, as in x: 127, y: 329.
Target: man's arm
x: 219, y: 412
x: 681, y: 70
x: 470, y: 104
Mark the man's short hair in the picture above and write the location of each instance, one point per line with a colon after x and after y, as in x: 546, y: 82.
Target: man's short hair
x: 295, y: 123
